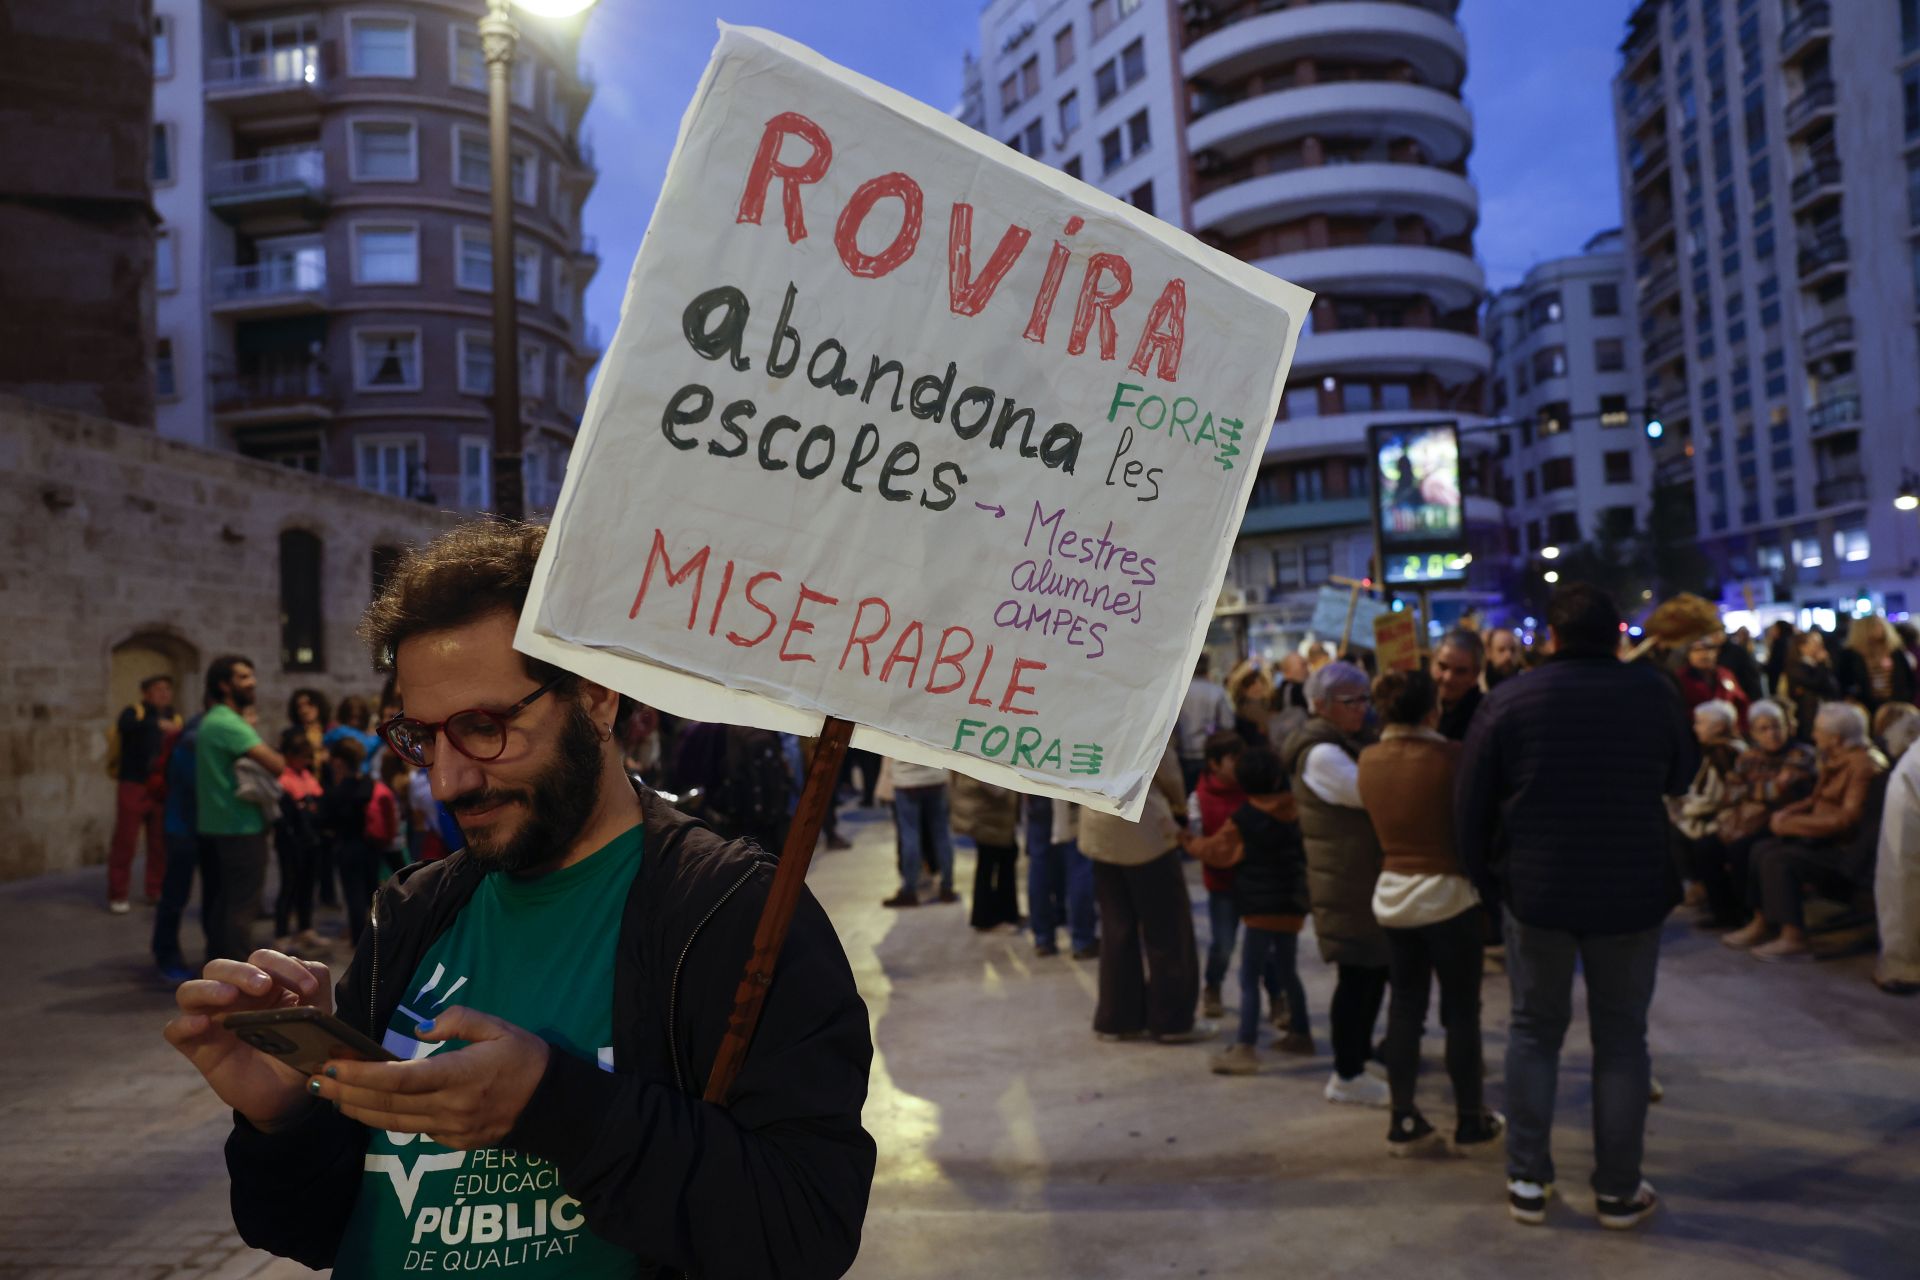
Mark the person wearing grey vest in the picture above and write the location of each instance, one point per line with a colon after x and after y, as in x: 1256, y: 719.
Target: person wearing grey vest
x: 1343, y: 864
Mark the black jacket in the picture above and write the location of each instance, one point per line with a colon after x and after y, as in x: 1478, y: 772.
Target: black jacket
x: 774, y: 1184
x: 1856, y: 682
x: 1271, y: 876
x: 1457, y: 719
x: 1558, y: 804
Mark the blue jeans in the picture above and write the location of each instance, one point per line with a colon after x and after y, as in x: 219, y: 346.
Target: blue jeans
x: 176, y: 890
x: 1223, y: 926
x: 1270, y: 957
x: 1619, y: 970
x: 1059, y: 890
x: 914, y: 807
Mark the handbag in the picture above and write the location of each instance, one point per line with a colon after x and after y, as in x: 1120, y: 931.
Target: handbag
x: 254, y: 784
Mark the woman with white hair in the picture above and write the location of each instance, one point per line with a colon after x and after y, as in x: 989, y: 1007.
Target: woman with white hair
x: 1715, y: 728
x: 1814, y: 839
x: 1343, y: 864
x: 1773, y: 772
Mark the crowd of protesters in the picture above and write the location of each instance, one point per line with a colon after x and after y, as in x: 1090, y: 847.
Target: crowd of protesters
x: 1502, y: 806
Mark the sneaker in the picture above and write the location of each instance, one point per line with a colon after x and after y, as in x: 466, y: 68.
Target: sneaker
x: 1200, y: 1030
x: 1296, y: 1042
x: 1089, y: 952
x: 1410, y: 1134
x: 1236, y: 1060
x: 1482, y: 1130
x: 1755, y: 933
x: 1210, y: 1005
x: 947, y: 895
x: 1045, y: 950
x: 1361, y: 1091
x: 1623, y: 1214
x: 1527, y: 1201
x: 173, y: 975
x: 837, y: 843
x: 119, y: 906
x: 904, y: 898
x: 1780, y: 951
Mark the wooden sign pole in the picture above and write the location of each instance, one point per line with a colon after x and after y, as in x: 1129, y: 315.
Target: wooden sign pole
x: 1353, y: 586
x: 816, y: 800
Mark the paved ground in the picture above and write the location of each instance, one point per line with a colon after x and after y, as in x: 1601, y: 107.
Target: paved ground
x: 1015, y: 1145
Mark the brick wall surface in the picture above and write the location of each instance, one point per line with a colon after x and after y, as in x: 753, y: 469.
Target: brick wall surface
x: 108, y: 532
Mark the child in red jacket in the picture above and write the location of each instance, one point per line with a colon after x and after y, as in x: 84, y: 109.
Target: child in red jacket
x: 1215, y: 797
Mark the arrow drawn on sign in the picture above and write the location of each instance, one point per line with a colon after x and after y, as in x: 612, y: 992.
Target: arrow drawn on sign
x: 998, y: 511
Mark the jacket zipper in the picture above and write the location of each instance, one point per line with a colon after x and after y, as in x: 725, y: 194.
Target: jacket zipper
x: 673, y: 990
x: 373, y: 985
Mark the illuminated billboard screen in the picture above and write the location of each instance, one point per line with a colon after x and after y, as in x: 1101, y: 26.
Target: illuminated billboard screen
x: 1419, y: 521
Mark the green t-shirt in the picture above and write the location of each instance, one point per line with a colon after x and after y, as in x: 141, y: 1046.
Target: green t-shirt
x: 539, y: 954
x: 224, y: 738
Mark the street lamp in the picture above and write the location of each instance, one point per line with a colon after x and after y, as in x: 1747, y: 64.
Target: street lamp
x: 1908, y: 498
x: 1549, y: 553
x: 498, y: 36
x: 1551, y: 576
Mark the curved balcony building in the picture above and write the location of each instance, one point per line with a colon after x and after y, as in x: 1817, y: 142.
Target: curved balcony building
x: 1329, y: 145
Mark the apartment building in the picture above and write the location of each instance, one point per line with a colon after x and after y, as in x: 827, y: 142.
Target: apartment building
x: 1763, y: 149
x: 1575, y: 464
x: 321, y: 172
x: 1329, y: 146
x: 1090, y: 87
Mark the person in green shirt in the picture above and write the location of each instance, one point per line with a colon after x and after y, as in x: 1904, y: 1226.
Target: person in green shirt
x: 234, y: 830
x: 556, y: 993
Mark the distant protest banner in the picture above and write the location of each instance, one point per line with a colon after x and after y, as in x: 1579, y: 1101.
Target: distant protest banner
x: 1396, y: 642
x: 903, y: 427
x: 1330, y: 612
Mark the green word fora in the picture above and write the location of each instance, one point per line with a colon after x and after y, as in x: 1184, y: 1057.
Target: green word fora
x: 1025, y: 746
x: 1182, y: 416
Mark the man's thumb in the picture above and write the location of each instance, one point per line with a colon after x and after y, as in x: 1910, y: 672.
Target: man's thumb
x: 460, y: 1023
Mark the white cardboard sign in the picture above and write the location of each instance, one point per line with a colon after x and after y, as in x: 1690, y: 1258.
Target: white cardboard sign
x: 903, y: 427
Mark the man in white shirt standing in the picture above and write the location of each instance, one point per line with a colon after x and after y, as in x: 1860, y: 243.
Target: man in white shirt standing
x: 1206, y: 711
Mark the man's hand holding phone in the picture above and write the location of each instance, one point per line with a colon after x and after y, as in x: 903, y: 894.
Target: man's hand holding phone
x: 267, y: 1092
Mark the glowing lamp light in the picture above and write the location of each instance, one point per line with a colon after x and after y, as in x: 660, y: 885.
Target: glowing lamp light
x: 1549, y: 553
x: 1907, y: 501
x: 1655, y: 429
x: 1551, y: 575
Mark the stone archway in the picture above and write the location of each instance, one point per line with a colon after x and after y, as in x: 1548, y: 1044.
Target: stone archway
x: 150, y: 652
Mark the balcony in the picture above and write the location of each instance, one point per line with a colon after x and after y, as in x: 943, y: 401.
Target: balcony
x: 1839, y: 491
x: 1436, y: 120
x: 1828, y: 335
x: 1815, y: 102
x: 1659, y: 284
x: 1813, y: 22
x: 1229, y: 40
x: 1822, y: 258
x: 1650, y: 222
x: 1237, y: 204
x: 279, y: 287
x: 1451, y: 280
x: 1835, y: 410
x: 1641, y: 99
x: 1641, y: 41
x: 1452, y: 357
x: 1648, y: 164
x: 1287, y: 517
x: 1816, y: 180
x: 288, y: 392
x: 291, y: 183
x: 1663, y: 345
x: 284, y: 82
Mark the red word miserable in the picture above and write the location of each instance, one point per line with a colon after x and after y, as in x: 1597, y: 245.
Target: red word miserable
x: 1107, y: 282
x: 952, y: 666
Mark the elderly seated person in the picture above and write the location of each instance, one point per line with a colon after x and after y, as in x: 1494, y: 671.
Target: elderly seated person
x: 1814, y: 838
x: 1695, y: 814
x: 1772, y: 772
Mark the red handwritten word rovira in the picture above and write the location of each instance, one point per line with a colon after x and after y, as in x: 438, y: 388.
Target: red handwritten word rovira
x: 1105, y: 285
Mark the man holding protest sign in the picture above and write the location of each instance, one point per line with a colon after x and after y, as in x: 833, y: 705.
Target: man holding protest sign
x: 556, y: 993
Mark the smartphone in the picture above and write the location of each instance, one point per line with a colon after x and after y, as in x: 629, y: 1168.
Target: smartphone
x: 303, y: 1037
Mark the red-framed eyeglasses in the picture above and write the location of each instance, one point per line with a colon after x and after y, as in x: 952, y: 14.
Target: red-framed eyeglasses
x: 476, y: 733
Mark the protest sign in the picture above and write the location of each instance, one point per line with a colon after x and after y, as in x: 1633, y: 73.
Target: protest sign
x: 1329, y: 620
x: 904, y: 428
x: 1396, y: 642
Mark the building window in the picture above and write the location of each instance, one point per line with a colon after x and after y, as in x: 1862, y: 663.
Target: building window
x: 1106, y: 83
x: 1619, y: 467
x: 1030, y: 77
x: 1303, y: 402
x: 166, y: 277
x: 1806, y: 553
x: 162, y: 154
x: 473, y: 258
x: 389, y: 465
x: 1613, y: 411
x: 384, y: 151
x: 533, y: 371
x: 472, y: 163
x: 1142, y: 197
x: 379, y: 46
x: 524, y: 86
x: 386, y: 359
x: 1071, y: 166
x: 1062, y: 49
x: 1910, y: 101
x: 1563, y: 526
x: 1909, y: 25
x: 163, y: 383
x: 1069, y: 115
x: 301, y: 626
x: 1286, y: 568
x: 1309, y: 484
x: 162, y: 46
x: 1609, y: 355
x: 386, y: 254
x: 1544, y: 309
x: 1318, y: 562
x: 1552, y: 418
x: 476, y: 364
x: 1139, y: 135
x: 1604, y: 299
x: 1112, y: 154
x: 1617, y: 522
x: 1556, y: 474
x: 469, y: 69
x: 1010, y: 93
x: 1104, y: 18
x: 1851, y: 546
x: 1133, y: 63
x: 1551, y: 362
x: 1036, y: 141
x: 476, y: 473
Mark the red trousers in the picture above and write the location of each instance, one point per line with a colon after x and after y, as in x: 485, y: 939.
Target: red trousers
x: 134, y: 809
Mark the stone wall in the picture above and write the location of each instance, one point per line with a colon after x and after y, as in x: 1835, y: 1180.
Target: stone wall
x: 114, y: 535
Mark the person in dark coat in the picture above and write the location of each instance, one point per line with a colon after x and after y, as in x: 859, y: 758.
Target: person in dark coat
x: 1561, y: 819
x: 1738, y: 659
x: 1456, y: 669
x: 1343, y: 863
